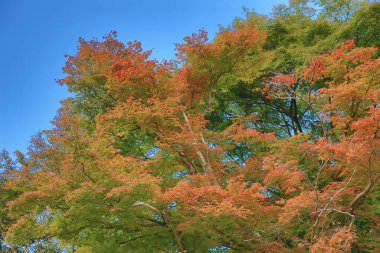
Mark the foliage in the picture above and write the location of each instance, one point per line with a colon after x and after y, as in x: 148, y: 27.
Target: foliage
x: 263, y: 139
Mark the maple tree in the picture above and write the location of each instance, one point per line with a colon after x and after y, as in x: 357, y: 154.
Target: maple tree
x: 264, y: 139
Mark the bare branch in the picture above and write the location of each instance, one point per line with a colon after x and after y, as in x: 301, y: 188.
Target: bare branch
x: 152, y: 208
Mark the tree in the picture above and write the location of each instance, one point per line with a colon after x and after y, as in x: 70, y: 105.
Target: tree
x: 264, y: 139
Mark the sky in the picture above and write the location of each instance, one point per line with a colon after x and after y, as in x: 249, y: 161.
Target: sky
x: 35, y: 36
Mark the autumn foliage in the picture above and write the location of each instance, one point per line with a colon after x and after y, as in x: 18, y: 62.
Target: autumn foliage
x: 229, y: 148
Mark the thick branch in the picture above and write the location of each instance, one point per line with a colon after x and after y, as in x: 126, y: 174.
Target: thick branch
x: 176, y: 234
x: 152, y: 208
x: 205, y: 164
x: 372, y: 179
x: 358, y: 198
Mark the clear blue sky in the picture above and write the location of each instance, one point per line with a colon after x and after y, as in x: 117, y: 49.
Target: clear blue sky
x: 36, y: 34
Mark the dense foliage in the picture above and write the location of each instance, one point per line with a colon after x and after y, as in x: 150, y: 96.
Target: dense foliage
x: 264, y: 139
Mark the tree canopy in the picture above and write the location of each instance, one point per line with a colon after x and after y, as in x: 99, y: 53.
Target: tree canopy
x: 262, y: 139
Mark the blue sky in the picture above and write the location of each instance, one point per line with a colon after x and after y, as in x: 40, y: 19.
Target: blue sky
x: 35, y: 36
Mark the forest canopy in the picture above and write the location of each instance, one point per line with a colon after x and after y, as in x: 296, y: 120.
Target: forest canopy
x: 264, y: 138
